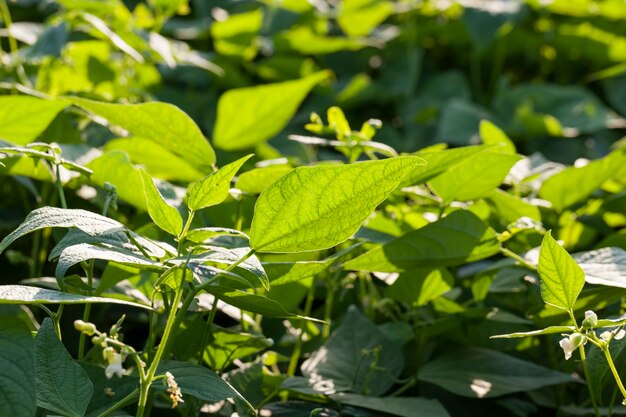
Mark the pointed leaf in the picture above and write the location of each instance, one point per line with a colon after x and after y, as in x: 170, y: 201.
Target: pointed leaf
x: 23, y: 294
x: 24, y: 118
x: 251, y: 115
x: 314, y: 208
x: 213, y: 189
x: 62, y: 385
x: 162, y: 123
x: 561, y: 277
x: 161, y: 213
x: 17, y: 361
x: 90, y: 223
x: 459, y: 237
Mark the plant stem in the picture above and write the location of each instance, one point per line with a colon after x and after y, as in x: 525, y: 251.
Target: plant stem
x: 331, y: 287
x: 207, y: 329
x: 297, y: 349
x: 618, y: 380
x: 59, y: 185
x: 592, y: 395
x: 510, y: 254
x: 121, y: 403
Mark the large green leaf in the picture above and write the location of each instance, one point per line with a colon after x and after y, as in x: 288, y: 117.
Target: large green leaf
x: 438, y: 162
x: 419, y: 286
x: 357, y: 358
x: 24, y: 118
x: 249, y: 302
x: 314, y: 208
x: 23, y: 294
x: 398, y: 406
x: 62, y: 385
x: 115, y: 168
x: 213, y: 189
x: 162, y: 123
x: 360, y: 17
x: 561, y: 277
x: 17, y: 361
x: 251, y: 115
x: 605, y: 266
x: 482, y: 373
x: 90, y: 223
x: 459, y: 237
x: 161, y: 213
x: 475, y: 177
x: 258, y: 179
x: 106, y: 392
x: 575, y: 184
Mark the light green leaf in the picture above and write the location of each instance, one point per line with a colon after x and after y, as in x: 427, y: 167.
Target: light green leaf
x: 22, y: 294
x: 398, y: 406
x: 482, y: 373
x: 249, y: 302
x: 314, y: 208
x: 24, y: 118
x: 360, y: 17
x: 236, y: 35
x: 357, y: 358
x: 510, y: 208
x: 228, y: 345
x: 493, y: 135
x: 573, y: 185
x: 250, y: 115
x: 561, y: 277
x: 213, y: 189
x: 17, y: 361
x: 475, y: 177
x: 547, y: 330
x: 90, y: 223
x: 157, y: 159
x: 62, y: 385
x: 161, y: 213
x: 115, y: 168
x: 457, y: 238
x: 162, y: 123
x: 258, y: 179
x: 281, y: 273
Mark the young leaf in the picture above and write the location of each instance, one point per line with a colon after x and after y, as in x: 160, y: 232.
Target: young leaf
x: 22, y: 294
x: 24, y: 118
x: 90, y: 223
x: 493, y: 135
x: 213, y: 189
x: 162, y: 123
x: 459, y: 237
x: 161, y: 213
x: 62, y: 385
x: 17, y: 361
x: 248, y: 116
x: 561, y: 277
x: 547, y: 330
x: 314, y: 208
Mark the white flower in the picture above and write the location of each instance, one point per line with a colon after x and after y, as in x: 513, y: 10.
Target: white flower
x: 591, y: 320
x: 115, y: 361
x: 571, y: 343
x: 615, y: 334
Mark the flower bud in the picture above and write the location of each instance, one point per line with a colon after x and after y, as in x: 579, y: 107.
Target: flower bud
x: 87, y: 328
x: 590, y: 321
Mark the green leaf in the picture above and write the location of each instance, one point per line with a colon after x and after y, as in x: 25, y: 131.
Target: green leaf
x: 115, y: 168
x: 510, y: 208
x: 281, y: 273
x: 482, y: 373
x: 162, y: 123
x: 226, y: 345
x: 419, y: 286
x: 574, y: 185
x: 236, y: 36
x: 475, y: 177
x: 251, y: 115
x: 90, y: 223
x: 493, y: 135
x: 360, y: 17
x: 161, y: 213
x: 17, y: 361
x: 357, y: 357
x: 62, y: 385
x: 561, y: 277
x: 457, y: 238
x: 24, y: 118
x: 103, y: 398
x: 213, y: 189
x: 83, y: 251
x: 249, y: 302
x: 157, y: 159
x: 22, y: 294
x: 314, y: 208
x: 547, y: 330
x: 199, y: 382
x: 605, y: 266
x: 398, y: 406
x: 258, y: 179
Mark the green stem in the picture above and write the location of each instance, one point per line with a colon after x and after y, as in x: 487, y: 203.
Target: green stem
x: 207, y: 329
x: 592, y: 395
x: 297, y: 349
x: 328, y: 308
x: 618, y: 380
x: 57, y: 320
x: 59, y: 185
x: 510, y: 254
